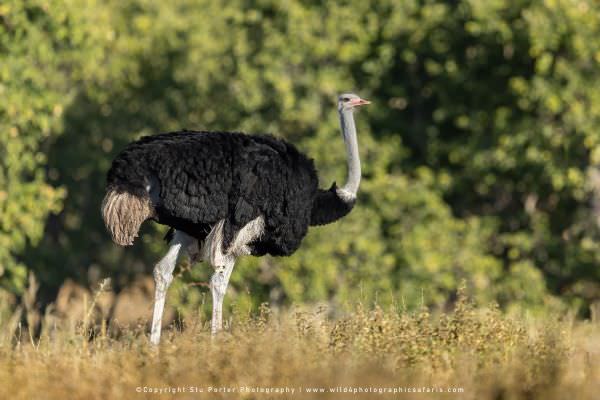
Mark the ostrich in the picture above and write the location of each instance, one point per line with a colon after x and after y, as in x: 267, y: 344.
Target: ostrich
x: 224, y: 195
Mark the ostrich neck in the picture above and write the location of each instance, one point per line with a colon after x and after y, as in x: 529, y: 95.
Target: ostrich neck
x: 349, y: 190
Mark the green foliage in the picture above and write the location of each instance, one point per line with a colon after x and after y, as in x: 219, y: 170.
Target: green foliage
x: 507, y: 106
x: 33, y: 89
x: 476, y: 150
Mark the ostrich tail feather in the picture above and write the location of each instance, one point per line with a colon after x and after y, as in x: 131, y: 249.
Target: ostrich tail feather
x: 123, y: 214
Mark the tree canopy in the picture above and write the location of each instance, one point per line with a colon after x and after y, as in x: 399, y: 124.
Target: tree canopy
x: 479, y: 149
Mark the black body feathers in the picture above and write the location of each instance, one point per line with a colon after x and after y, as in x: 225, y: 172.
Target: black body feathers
x: 204, y: 177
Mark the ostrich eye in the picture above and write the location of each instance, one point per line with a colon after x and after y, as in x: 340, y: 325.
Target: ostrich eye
x: 345, y: 99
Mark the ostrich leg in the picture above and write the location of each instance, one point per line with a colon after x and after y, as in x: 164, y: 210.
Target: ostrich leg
x: 163, y: 275
x: 223, y: 262
x: 218, y: 287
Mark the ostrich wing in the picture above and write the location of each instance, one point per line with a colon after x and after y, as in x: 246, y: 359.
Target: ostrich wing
x: 194, y: 173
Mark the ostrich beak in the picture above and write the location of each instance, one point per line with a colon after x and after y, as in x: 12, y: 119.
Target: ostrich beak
x: 359, y: 102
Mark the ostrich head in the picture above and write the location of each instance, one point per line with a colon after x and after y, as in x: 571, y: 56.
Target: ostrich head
x: 349, y: 101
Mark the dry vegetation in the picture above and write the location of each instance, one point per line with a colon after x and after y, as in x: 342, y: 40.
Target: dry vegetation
x: 487, y: 354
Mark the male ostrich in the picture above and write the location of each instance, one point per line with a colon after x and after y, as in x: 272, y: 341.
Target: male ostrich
x: 224, y: 194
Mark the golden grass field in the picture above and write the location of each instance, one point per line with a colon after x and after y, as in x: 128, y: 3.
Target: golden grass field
x: 479, y: 353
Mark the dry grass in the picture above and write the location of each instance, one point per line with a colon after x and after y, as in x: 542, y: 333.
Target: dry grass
x: 483, y: 352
